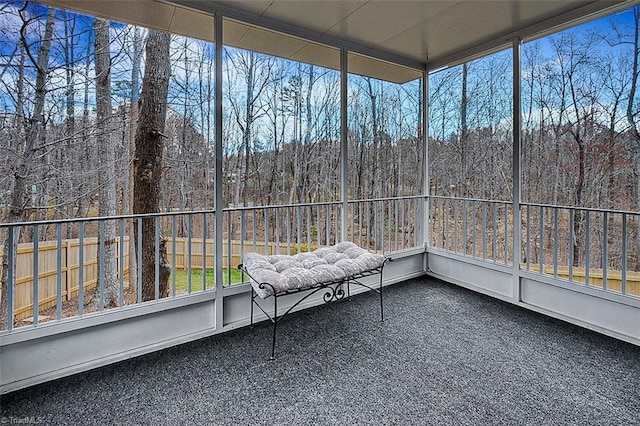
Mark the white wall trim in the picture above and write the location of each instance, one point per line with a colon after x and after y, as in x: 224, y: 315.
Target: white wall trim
x: 572, y: 320
x: 581, y: 288
x: 594, y: 309
x: 94, y: 319
x: 100, y: 362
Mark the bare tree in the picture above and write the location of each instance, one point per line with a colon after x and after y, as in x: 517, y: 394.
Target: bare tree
x: 632, y: 114
x: 630, y: 36
x: 106, y: 156
x: 254, y: 71
x: 148, y: 160
x: 134, y: 98
x: 28, y: 150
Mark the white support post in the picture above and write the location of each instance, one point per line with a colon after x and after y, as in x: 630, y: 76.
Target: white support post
x: 344, y: 148
x: 423, y: 220
x: 425, y: 161
x: 218, y: 202
x: 516, y: 170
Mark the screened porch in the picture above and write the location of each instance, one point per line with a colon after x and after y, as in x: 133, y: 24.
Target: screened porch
x: 499, y: 159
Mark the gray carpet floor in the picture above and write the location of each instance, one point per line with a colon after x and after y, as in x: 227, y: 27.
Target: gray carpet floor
x: 443, y: 355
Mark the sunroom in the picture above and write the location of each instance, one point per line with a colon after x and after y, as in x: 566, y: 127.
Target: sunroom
x: 491, y: 145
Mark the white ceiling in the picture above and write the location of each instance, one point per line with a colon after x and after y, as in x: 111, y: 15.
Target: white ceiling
x: 419, y: 30
x: 416, y: 33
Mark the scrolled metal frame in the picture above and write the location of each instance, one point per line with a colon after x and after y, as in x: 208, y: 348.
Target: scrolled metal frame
x: 334, y: 291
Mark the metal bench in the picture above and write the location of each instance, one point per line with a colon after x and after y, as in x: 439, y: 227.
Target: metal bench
x: 328, y: 268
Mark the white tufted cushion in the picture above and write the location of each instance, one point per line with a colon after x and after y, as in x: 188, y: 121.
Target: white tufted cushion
x: 306, y: 270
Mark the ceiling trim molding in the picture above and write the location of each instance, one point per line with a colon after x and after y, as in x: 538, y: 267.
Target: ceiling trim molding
x: 559, y: 22
x: 295, y: 31
x: 158, y: 15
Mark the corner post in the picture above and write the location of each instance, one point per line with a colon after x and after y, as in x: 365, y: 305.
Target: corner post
x: 425, y: 169
x: 516, y: 169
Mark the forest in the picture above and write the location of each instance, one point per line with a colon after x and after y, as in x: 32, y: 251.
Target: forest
x: 282, y: 122
x: 580, y: 140
x: 90, y: 110
x: 580, y: 108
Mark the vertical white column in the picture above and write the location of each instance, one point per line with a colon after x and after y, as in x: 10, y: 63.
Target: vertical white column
x: 344, y: 148
x: 218, y: 202
x: 517, y: 159
x: 424, y: 220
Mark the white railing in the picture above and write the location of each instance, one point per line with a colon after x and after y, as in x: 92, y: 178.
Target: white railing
x: 589, y: 247
x: 480, y: 229
x: 62, y: 262
x: 51, y: 278
x: 386, y: 225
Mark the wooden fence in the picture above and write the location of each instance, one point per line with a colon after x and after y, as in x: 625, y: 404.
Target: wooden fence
x: 182, y: 252
x: 69, y: 254
x: 596, y: 277
x: 69, y: 277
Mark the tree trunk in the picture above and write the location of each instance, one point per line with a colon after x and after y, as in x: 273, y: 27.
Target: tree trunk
x: 18, y: 198
x: 633, y: 125
x: 148, y: 160
x: 375, y: 133
x: 106, y: 160
x: 69, y: 47
x: 305, y: 195
x: 464, y: 133
x: 130, y: 152
x: 84, y: 201
x: 296, y: 162
x: 246, y: 135
x: 577, y: 223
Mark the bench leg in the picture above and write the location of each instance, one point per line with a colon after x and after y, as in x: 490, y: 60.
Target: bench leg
x: 275, y: 326
x: 381, y: 304
x: 252, y: 302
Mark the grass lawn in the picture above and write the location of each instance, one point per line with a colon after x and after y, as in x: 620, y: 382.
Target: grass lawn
x: 182, y: 279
